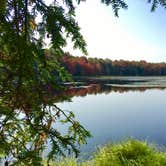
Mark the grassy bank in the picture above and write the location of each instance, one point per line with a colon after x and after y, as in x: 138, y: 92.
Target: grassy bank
x: 127, y: 153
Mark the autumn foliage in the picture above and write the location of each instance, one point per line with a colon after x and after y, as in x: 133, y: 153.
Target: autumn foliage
x: 83, y: 66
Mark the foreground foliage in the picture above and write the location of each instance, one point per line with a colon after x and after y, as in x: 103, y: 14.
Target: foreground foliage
x: 30, y: 78
x: 127, y: 153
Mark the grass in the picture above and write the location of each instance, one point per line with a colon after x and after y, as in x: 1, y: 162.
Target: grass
x: 127, y: 153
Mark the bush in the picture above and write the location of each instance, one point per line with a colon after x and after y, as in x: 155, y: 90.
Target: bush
x: 126, y: 153
x: 129, y: 153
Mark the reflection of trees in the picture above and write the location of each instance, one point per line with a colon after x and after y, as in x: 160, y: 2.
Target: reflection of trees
x: 24, y: 134
x: 72, y: 91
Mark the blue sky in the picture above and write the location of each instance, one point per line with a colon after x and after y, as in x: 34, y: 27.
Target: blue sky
x: 137, y: 34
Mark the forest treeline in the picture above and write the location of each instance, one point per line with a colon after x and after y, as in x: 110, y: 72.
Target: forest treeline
x: 83, y: 66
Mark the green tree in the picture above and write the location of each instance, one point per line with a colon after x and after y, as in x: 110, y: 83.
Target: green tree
x: 30, y: 78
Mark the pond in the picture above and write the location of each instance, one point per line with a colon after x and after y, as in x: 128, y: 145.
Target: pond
x: 115, y: 111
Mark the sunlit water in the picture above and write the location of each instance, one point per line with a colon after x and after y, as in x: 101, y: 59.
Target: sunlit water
x: 115, y: 116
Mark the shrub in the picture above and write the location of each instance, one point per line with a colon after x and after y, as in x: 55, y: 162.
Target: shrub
x: 127, y: 153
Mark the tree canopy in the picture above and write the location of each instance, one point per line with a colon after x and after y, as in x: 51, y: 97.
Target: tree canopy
x: 30, y: 78
x: 83, y: 66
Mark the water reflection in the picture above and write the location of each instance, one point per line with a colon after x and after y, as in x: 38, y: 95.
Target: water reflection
x: 95, y: 89
x: 115, y: 113
x: 24, y: 135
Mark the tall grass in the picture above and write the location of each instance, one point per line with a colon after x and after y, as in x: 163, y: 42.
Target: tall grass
x: 127, y: 153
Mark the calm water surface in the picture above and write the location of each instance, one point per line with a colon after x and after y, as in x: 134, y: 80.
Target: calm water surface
x: 112, y: 116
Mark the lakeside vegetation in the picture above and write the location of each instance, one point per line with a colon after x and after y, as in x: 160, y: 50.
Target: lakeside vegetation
x: 127, y: 153
x: 83, y: 66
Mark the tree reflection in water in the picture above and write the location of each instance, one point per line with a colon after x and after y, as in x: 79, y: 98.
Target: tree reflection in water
x: 94, y: 89
x: 25, y: 134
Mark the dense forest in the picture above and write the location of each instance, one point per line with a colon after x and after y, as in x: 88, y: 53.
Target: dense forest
x: 83, y: 66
